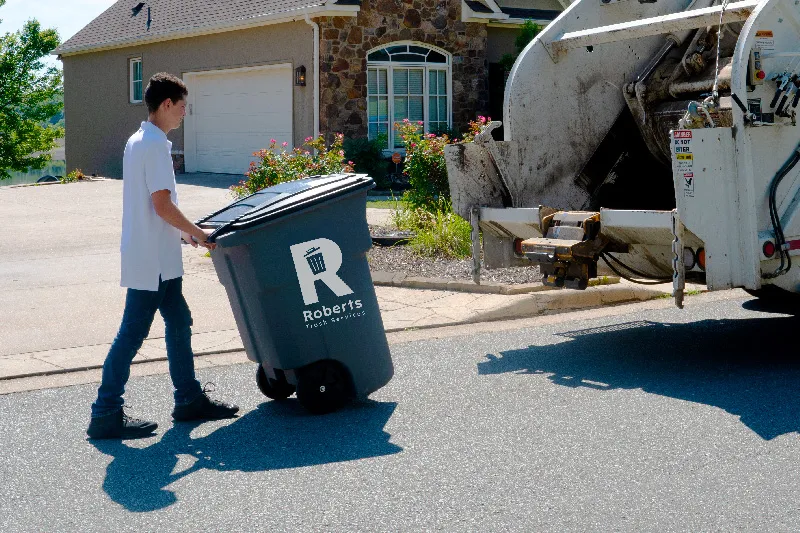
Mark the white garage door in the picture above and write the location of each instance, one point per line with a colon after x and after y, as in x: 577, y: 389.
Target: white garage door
x: 233, y: 113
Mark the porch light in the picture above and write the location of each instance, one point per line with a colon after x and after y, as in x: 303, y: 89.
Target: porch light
x: 300, y: 76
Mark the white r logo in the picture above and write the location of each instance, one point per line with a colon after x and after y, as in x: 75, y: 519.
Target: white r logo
x: 319, y: 259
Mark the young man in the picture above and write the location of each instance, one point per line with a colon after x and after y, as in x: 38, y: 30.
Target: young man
x: 152, y: 270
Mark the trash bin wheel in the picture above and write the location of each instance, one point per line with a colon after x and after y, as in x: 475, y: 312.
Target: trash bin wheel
x: 323, y: 386
x: 277, y: 389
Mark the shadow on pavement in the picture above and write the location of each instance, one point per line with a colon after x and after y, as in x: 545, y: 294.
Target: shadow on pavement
x: 276, y: 435
x: 748, y: 367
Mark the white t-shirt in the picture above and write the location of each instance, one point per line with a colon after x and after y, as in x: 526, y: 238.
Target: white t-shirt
x: 150, y: 247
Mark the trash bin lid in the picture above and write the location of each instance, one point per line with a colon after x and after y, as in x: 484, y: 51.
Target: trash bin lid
x: 281, y: 200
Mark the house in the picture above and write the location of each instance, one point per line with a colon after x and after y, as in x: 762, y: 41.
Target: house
x: 282, y: 69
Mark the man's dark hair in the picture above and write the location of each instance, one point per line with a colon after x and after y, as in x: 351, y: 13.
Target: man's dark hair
x: 161, y: 87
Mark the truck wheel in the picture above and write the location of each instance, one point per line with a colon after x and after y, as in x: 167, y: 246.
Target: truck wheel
x: 323, y: 387
x: 277, y: 389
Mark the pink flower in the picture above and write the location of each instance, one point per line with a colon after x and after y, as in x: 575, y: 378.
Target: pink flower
x: 309, y: 138
x: 284, y: 144
x: 420, y: 122
x: 272, y: 141
x: 413, y: 145
x: 341, y: 153
x: 350, y: 163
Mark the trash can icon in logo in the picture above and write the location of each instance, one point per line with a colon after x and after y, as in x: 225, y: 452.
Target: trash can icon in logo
x: 315, y: 261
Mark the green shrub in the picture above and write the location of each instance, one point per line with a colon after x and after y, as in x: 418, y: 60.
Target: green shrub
x: 426, y: 209
x: 526, y: 34
x: 448, y: 236
x: 72, y: 177
x: 438, y: 232
x: 276, y: 167
x: 507, y: 61
x: 425, y: 165
x: 453, y: 134
x: 409, y: 218
x: 367, y: 157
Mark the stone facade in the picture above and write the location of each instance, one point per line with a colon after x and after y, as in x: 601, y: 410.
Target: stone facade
x: 344, y: 43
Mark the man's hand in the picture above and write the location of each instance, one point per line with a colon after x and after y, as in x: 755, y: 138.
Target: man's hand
x: 166, y: 209
x: 205, y: 243
x: 188, y: 239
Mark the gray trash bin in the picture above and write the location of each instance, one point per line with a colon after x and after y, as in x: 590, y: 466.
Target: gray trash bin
x: 293, y: 261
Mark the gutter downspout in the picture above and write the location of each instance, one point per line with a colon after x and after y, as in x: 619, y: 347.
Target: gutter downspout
x: 315, y: 26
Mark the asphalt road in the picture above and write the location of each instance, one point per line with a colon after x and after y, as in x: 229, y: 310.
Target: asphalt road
x: 648, y: 420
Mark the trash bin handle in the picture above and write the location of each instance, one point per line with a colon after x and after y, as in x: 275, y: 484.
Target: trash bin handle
x: 213, y: 236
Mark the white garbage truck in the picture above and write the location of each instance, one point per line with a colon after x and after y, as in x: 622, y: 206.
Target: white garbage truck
x: 658, y: 136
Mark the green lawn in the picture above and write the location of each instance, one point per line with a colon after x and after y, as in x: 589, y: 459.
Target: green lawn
x: 385, y: 204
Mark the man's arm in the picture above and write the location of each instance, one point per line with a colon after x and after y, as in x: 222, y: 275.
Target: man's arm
x: 172, y: 215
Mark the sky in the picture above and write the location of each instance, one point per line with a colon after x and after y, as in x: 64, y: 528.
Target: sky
x: 66, y: 16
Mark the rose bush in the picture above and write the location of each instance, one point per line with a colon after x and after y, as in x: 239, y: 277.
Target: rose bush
x: 427, y: 210
x: 278, y: 164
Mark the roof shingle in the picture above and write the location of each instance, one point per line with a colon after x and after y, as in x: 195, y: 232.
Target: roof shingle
x: 119, y: 24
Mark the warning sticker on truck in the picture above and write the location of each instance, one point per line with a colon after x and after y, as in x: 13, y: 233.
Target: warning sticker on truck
x: 765, y: 40
x: 682, y: 140
x: 684, y: 160
x: 688, y: 184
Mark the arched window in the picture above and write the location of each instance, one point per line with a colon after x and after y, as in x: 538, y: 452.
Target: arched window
x: 407, y: 80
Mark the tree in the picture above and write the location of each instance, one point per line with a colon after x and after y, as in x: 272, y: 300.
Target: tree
x: 29, y: 98
x: 527, y: 32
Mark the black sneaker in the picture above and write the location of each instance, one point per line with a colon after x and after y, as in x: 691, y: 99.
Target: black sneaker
x: 118, y: 425
x: 204, y: 408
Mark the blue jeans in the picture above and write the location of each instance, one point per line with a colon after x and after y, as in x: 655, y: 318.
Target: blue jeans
x: 140, y: 309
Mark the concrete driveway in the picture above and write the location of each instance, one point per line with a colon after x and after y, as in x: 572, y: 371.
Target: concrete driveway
x: 59, y: 262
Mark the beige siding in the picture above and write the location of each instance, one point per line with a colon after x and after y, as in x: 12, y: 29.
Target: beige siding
x: 500, y: 41
x: 98, y: 113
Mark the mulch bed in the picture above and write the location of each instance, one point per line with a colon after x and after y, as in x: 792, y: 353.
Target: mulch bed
x: 400, y: 258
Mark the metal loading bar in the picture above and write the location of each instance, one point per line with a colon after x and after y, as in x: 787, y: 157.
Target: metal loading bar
x: 675, y: 22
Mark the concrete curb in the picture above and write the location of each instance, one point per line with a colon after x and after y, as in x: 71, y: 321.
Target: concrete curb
x: 82, y: 368
x: 400, y: 279
x: 556, y: 301
x: 538, y: 302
